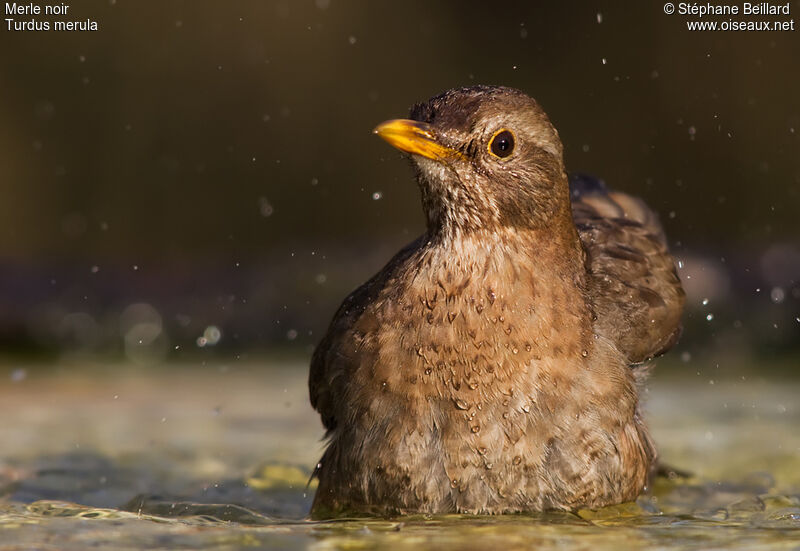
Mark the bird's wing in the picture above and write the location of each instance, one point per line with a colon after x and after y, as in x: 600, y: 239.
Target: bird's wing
x: 332, y: 359
x: 637, y: 296
x: 342, y: 348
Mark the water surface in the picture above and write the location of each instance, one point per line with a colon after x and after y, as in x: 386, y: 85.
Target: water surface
x: 218, y: 456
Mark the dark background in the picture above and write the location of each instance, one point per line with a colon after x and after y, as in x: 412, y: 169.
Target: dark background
x: 201, y: 173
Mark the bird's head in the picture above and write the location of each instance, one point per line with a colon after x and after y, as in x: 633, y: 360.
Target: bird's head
x: 486, y: 157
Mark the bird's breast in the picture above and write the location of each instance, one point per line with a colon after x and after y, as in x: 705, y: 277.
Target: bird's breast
x: 502, y: 329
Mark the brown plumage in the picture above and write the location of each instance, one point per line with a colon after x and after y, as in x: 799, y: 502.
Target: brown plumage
x: 489, y: 367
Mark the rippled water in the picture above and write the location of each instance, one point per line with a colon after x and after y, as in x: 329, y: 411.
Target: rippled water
x: 218, y: 456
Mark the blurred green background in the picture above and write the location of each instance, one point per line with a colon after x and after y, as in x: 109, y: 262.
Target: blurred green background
x: 199, y: 177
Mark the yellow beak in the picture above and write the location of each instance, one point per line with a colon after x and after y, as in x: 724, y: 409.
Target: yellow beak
x: 416, y: 138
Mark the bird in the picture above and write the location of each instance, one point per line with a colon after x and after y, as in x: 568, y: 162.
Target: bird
x: 496, y: 363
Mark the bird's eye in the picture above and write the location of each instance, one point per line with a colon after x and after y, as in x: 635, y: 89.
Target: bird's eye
x: 502, y: 143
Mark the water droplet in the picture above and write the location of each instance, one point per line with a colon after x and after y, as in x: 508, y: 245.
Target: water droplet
x: 705, y: 301
x: 515, y: 350
x: 18, y: 375
x: 479, y: 308
x: 526, y: 408
x: 473, y: 385
x: 428, y: 371
x: 377, y: 196
x: 604, y: 61
x: 777, y: 295
x: 584, y: 353
x: 211, y: 336
x: 475, y: 429
x: 710, y: 317
x: 265, y: 207
x: 517, y: 460
x: 491, y: 296
x: 528, y: 347
x: 461, y: 404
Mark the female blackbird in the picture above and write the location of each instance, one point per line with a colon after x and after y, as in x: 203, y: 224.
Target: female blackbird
x: 492, y: 365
